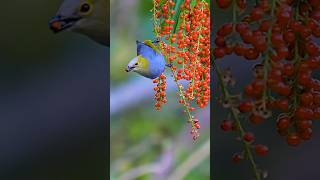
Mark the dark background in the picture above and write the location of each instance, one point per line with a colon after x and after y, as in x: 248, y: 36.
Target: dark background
x: 283, y: 162
x: 53, y: 98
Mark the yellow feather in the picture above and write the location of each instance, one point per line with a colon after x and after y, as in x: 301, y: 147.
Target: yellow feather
x: 150, y: 44
x: 144, y: 63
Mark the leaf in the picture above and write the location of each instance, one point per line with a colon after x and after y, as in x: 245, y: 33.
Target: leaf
x: 193, y: 3
x: 177, y: 14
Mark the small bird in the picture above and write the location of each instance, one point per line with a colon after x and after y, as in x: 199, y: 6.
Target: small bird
x: 149, y: 61
x: 88, y: 17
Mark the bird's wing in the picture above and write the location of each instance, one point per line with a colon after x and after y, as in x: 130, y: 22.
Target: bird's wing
x: 141, y: 48
x: 147, y: 48
x: 151, y: 44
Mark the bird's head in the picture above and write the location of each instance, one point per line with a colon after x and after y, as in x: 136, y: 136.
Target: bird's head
x: 138, y: 64
x: 88, y: 17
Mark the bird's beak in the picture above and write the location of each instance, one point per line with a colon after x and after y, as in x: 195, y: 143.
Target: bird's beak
x: 129, y: 68
x: 59, y: 23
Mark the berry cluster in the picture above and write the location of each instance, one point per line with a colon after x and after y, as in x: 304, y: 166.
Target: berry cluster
x: 185, y: 32
x: 281, y: 36
x: 160, y: 89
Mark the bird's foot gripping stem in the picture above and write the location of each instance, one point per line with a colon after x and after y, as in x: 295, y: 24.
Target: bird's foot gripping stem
x: 169, y: 65
x: 157, y: 40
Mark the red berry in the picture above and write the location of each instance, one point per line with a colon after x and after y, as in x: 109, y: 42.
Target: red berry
x: 236, y: 158
x: 316, y: 99
x: 306, y: 134
x: 242, y: 27
x: 248, y: 137
x: 283, y: 104
x: 282, y: 89
x: 316, y: 113
x: 261, y: 150
x: 226, y: 125
x: 256, y: 14
x: 224, y: 3
x: 255, y: 119
x: 284, y: 16
x: 314, y: 3
x: 251, y: 54
x: 225, y: 29
x: 249, y: 91
x: 316, y: 31
x: 282, y: 52
x: 258, y: 87
x: 264, y: 25
x: 260, y: 44
x: 196, y: 125
x: 312, y: 48
x: 305, y: 124
x: 288, y: 69
x: 316, y: 15
x: 245, y: 106
x: 293, y: 139
x: 304, y: 113
x: 219, y: 52
x: 241, y: 4
x: 306, y: 99
x: 247, y: 36
x: 277, y: 40
x: 219, y: 41
x: 283, y: 122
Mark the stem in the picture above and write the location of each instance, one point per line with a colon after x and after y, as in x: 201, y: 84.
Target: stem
x: 247, y: 146
x: 196, y: 61
x: 234, y: 12
x: 180, y: 88
x: 266, y: 60
x: 296, y: 63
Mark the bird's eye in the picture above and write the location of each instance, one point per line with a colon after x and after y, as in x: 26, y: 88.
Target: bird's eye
x: 136, y: 64
x: 85, y: 8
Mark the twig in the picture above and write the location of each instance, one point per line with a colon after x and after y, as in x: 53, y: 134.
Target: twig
x: 247, y: 146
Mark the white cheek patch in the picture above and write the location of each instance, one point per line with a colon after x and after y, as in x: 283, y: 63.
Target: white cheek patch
x: 133, y: 61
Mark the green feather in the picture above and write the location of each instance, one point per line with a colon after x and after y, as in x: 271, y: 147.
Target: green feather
x: 150, y: 44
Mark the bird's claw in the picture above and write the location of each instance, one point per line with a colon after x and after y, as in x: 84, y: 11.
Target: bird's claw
x: 156, y: 40
x: 169, y: 65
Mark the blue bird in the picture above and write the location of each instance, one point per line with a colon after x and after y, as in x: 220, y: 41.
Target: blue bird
x: 149, y: 61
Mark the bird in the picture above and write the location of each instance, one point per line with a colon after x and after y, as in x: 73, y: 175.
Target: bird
x: 87, y: 17
x: 149, y: 61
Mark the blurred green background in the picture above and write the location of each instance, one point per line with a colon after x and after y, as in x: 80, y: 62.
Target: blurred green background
x: 145, y: 143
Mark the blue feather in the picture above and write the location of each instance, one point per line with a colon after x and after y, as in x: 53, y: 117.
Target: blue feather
x: 145, y: 50
x: 156, y: 60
